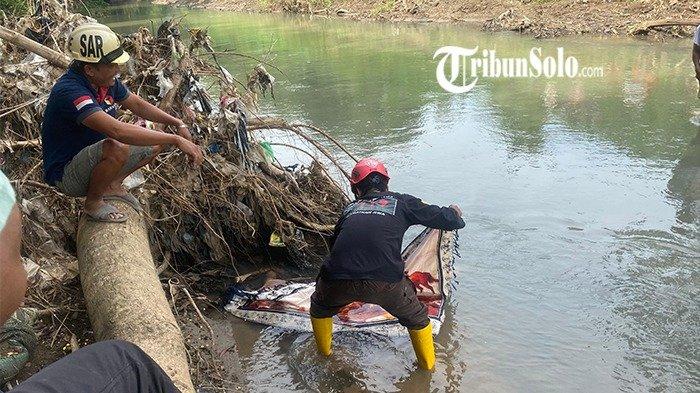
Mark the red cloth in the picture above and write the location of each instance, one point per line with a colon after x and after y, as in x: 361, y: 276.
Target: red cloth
x: 101, y: 94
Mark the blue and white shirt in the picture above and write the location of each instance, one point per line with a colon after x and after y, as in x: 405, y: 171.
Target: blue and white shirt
x: 63, y: 135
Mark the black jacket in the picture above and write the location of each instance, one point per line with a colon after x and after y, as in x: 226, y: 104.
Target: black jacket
x: 367, y: 237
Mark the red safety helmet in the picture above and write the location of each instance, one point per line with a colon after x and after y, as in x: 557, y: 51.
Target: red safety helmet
x: 366, y: 166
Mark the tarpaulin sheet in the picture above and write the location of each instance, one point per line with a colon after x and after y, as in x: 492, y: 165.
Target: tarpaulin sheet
x: 429, y: 260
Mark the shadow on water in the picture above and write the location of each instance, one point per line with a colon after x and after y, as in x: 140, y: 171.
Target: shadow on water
x: 684, y: 187
x: 658, y: 289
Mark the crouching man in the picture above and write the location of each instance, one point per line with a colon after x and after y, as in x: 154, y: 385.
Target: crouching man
x: 86, y: 150
x: 365, y: 261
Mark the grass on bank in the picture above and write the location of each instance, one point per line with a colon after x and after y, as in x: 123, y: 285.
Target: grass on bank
x: 22, y: 7
x: 14, y: 7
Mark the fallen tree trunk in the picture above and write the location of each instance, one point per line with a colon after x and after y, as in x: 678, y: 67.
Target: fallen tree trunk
x: 123, y: 295
x: 644, y: 27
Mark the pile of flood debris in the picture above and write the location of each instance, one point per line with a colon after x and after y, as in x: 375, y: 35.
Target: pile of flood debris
x: 241, y: 208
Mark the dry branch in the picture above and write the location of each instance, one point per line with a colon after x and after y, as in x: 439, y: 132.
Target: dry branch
x: 644, y: 27
x: 56, y: 58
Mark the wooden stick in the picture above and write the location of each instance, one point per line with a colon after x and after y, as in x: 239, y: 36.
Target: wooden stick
x: 22, y: 105
x: 50, y: 311
x: 644, y: 27
x: 199, y: 313
x: 167, y: 101
x: 36, y: 184
x: 56, y: 58
x: 275, y: 123
x: 328, y: 136
x: 297, y: 218
x: 226, y: 52
x: 244, y: 277
x: 29, y: 172
x: 20, y: 144
x: 323, y: 168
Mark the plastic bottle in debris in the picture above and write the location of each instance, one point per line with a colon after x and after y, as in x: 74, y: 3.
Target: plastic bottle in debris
x: 134, y: 180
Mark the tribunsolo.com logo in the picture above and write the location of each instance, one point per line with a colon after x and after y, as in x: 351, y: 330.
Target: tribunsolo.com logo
x: 458, y: 61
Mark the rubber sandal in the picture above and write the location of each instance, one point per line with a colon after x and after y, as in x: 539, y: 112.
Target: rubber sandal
x: 127, y: 198
x: 102, y: 214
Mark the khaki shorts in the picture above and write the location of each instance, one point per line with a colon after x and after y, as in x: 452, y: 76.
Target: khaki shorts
x: 77, y: 173
x: 397, y: 298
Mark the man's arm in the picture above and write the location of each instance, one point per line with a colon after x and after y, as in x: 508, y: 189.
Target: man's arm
x: 432, y: 216
x: 148, y: 111
x: 13, y: 277
x: 130, y: 134
x: 127, y: 133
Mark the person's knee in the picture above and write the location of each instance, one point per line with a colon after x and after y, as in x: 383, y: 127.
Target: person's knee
x: 115, y: 152
x: 415, y: 317
x: 319, y: 311
x: 412, y: 314
x: 314, y: 310
x: 416, y: 323
x: 153, y: 152
x: 120, y: 348
x: 116, y: 344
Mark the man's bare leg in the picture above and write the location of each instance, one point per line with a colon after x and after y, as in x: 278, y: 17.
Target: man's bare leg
x: 116, y: 188
x: 114, y: 156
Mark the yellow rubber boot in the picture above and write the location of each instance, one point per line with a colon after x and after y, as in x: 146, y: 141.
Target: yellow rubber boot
x: 323, y: 333
x: 422, y: 341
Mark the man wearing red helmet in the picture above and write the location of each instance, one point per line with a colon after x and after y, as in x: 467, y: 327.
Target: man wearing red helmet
x: 365, y: 262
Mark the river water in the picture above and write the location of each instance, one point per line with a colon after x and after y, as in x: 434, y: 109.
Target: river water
x: 580, y: 261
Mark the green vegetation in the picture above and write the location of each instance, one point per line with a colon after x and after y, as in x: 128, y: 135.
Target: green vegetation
x: 314, y: 4
x: 88, y: 7
x: 14, y: 7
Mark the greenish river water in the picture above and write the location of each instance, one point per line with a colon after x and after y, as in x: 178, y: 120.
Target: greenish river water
x: 580, y: 262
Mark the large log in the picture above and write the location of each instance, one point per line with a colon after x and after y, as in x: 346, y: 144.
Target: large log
x: 124, y: 297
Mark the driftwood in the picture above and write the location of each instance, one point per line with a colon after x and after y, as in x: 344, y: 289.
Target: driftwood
x: 12, y: 145
x: 329, y: 137
x: 644, y: 27
x: 56, y: 58
x: 265, y: 123
x: 123, y: 295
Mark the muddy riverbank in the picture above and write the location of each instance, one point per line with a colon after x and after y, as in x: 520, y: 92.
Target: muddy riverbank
x: 539, y: 18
